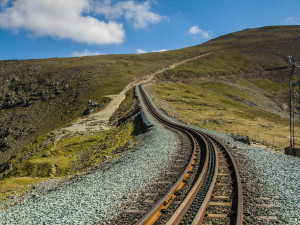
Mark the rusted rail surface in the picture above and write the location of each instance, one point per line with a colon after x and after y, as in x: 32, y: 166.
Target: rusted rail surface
x: 193, y: 208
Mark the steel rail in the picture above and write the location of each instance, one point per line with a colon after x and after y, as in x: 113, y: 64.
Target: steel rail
x: 208, y: 174
x: 209, y: 183
x: 203, y: 196
x: 152, y: 215
x: 238, y: 204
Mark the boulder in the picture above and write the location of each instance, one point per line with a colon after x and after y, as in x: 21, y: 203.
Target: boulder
x: 90, y: 107
x: 243, y: 139
x: 88, y: 111
x: 93, y: 103
x: 284, y: 107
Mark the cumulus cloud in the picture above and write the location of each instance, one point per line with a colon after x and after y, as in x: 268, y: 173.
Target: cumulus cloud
x: 138, y: 13
x: 60, y: 19
x: 160, y: 50
x: 85, y: 53
x: 204, y: 34
x: 76, y: 19
x: 139, y: 51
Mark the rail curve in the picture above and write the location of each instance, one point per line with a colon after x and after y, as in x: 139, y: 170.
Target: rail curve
x: 200, y: 198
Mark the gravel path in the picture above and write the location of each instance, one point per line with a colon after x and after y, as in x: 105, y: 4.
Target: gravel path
x: 100, y: 195
x: 268, y: 178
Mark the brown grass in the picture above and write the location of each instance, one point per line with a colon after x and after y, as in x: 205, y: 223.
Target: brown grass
x: 224, y: 108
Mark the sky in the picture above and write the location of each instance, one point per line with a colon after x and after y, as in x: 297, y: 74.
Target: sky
x: 32, y: 29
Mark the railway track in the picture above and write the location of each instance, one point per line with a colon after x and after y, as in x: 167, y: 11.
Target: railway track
x: 213, y: 195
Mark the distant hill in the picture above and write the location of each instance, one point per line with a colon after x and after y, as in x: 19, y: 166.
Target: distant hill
x: 251, y: 50
x: 259, y: 55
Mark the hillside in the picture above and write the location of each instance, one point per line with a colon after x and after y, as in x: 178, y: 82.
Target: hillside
x: 241, y: 89
x: 38, y: 96
x: 240, y: 82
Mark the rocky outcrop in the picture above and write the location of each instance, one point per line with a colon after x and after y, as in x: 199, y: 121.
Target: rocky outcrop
x: 243, y: 139
x: 91, y: 106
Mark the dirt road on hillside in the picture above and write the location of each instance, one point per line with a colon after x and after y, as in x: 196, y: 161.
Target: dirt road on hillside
x: 100, y: 121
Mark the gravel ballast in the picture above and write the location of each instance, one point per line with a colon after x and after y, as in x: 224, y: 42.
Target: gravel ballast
x: 101, y: 194
x: 268, y: 178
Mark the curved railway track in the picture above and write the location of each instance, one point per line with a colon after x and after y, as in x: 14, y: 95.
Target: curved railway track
x: 215, y: 193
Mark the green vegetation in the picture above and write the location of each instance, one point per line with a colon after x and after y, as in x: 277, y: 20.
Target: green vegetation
x: 221, y: 63
x: 261, y: 35
x: 47, y: 157
x: 269, y: 85
x: 225, y: 108
x: 128, y: 100
x: 15, y: 186
x: 240, y: 53
x: 69, y: 155
x: 76, y: 153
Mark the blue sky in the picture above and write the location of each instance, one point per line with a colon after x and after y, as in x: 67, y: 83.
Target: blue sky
x: 32, y: 29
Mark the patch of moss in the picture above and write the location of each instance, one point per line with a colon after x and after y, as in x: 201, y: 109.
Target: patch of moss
x: 77, y: 153
x: 17, y: 185
x: 36, y: 169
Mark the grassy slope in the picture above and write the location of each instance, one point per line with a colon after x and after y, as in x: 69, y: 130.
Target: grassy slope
x: 232, y: 90
x: 242, y: 52
x: 224, y: 108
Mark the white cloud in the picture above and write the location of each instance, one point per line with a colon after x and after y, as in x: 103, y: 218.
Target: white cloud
x: 85, y: 53
x: 139, y: 51
x: 138, y: 13
x: 204, y: 34
x: 194, y: 30
x: 289, y: 18
x: 77, y: 19
x: 295, y: 20
x: 160, y: 50
x: 60, y: 19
